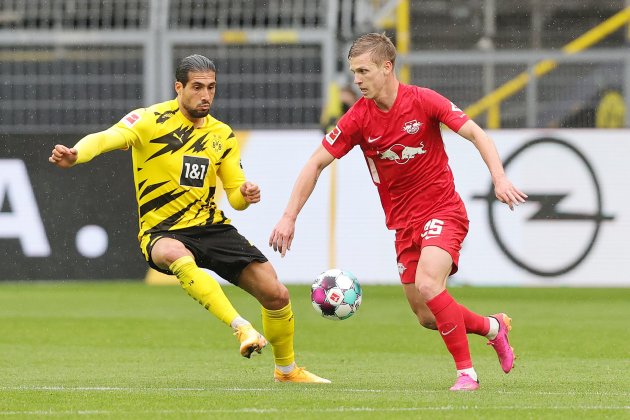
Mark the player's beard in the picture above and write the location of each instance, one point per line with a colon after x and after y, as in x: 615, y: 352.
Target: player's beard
x: 196, y: 113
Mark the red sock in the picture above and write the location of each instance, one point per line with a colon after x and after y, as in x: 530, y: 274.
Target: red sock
x: 452, y: 328
x: 475, y: 323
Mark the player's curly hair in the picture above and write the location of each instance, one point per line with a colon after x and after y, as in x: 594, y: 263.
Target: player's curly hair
x: 194, y: 63
x: 379, y: 46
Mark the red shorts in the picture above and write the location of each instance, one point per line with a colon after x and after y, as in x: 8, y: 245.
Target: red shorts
x: 445, y: 230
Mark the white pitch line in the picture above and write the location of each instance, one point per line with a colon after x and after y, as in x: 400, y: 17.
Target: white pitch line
x: 307, y: 410
x: 61, y: 388
x: 98, y: 388
x: 55, y: 413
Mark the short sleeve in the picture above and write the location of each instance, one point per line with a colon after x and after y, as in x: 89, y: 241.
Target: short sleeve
x: 344, y: 136
x: 442, y: 109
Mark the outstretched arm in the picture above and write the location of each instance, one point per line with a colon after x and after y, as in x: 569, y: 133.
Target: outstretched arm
x: 503, y: 188
x: 87, y: 148
x: 282, y: 235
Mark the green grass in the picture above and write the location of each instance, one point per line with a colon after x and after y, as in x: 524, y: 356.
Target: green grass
x: 127, y: 350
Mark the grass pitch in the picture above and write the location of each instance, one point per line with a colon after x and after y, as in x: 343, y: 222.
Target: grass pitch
x: 127, y: 350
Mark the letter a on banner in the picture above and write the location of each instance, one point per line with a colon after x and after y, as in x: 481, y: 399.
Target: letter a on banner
x: 23, y: 221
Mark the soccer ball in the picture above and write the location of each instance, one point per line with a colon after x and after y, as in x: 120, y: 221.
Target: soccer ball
x: 336, y: 294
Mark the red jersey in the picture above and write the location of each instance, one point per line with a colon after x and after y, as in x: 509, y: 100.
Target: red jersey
x: 404, y: 151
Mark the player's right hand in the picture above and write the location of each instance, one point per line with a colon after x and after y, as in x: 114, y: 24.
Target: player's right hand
x: 63, y: 156
x: 282, y: 235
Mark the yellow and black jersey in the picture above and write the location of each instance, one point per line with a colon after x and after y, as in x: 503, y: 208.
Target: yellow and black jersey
x: 175, y: 166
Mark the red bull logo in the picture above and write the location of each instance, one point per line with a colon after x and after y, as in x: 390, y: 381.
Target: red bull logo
x: 401, y: 268
x: 412, y: 127
x: 402, y: 154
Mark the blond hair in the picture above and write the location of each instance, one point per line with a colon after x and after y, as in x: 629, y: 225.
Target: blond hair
x: 379, y: 46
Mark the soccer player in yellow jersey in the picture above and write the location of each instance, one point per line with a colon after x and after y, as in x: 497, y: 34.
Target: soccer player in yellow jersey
x: 178, y: 151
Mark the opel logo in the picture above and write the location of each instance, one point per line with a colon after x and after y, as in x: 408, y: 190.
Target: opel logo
x: 549, y: 213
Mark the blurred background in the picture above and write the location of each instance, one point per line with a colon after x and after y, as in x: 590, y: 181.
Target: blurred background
x: 70, y: 67
x: 78, y: 65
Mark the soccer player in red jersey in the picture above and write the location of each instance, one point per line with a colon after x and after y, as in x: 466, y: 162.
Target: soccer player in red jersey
x: 397, y: 127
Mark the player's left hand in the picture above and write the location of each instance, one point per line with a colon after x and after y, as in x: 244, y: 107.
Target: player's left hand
x: 508, y: 193
x: 251, y: 192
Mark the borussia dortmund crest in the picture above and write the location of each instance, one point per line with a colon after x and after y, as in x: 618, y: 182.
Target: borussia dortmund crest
x: 216, y: 144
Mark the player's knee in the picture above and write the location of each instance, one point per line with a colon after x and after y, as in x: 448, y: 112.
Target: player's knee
x: 168, y: 252
x: 282, y: 295
x: 277, y: 297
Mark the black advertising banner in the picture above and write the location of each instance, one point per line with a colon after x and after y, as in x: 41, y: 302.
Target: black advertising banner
x: 72, y: 224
